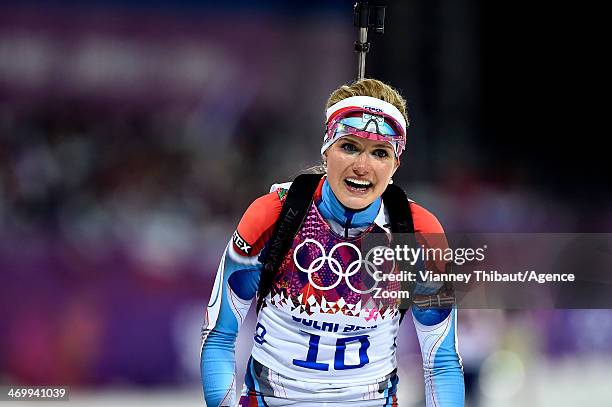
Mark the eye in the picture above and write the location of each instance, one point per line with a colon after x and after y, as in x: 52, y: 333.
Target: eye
x: 349, y: 147
x: 380, y: 153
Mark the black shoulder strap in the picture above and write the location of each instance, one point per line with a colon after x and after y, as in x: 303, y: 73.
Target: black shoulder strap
x: 398, y: 206
x: 402, y: 228
x: 292, y: 215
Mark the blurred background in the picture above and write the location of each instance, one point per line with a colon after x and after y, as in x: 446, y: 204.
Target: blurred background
x: 134, y: 134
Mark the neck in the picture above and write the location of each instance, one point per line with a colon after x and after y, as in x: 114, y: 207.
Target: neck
x: 331, y: 208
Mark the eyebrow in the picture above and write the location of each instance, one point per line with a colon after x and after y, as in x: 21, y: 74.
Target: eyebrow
x: 385, y: 146
x: 355, y: 140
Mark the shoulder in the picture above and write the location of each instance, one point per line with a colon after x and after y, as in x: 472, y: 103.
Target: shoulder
x: 429, y: 233
x: 424, y: 220
x: 257, y: 223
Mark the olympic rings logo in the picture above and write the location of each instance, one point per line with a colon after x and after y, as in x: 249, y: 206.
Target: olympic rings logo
x: 334, y: 265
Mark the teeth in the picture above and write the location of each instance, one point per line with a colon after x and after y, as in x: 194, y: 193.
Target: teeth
x: 359, y: 182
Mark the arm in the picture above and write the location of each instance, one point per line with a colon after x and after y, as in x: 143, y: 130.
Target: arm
x: 442, y: 368
x: 234, y: 289
x: 437, y: 327
x: 235, y: 286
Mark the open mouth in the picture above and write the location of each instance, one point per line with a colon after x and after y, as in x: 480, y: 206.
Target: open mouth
x: 357, y: 185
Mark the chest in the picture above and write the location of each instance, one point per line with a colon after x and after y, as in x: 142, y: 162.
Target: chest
x: 325, y: 273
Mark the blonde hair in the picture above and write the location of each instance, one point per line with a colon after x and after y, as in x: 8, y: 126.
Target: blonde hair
x: 369, y: 87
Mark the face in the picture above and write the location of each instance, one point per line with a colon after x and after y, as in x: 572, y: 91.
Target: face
x: 359, y: 170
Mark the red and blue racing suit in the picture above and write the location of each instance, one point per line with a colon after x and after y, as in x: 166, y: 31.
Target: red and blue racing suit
x: 317, y: 342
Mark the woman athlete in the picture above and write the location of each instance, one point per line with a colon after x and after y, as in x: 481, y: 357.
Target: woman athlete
x: 322, y: 338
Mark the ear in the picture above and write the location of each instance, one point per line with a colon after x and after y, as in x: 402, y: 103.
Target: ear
x: 397, y: 164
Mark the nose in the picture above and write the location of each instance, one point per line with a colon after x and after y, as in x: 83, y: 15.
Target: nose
x: 361, y: 165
